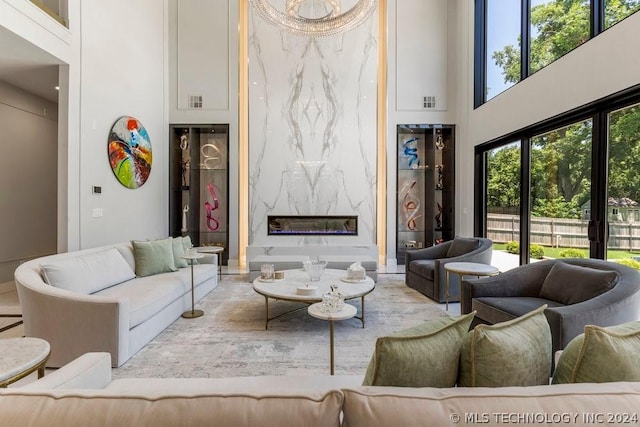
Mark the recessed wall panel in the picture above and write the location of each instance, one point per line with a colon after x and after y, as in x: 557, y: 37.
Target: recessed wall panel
x: 421, y: 49
x: 203, y: 54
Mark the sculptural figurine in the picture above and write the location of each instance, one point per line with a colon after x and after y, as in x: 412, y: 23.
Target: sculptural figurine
x: 439, y: 183
x: 184, y: 167
x: 438, y: 217
x: 185, y: 209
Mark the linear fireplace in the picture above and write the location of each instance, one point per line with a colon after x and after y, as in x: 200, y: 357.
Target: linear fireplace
x: 308, y: 225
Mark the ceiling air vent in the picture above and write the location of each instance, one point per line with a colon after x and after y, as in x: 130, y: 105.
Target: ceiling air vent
x: 195, y: 102
x: 429, y: 102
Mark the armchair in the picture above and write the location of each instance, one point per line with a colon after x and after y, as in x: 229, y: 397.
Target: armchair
x: 604, y: 294
x: 425, y: 267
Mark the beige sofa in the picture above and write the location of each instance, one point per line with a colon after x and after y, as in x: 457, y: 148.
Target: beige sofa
x: 82, y: 393
x: 119, y: 319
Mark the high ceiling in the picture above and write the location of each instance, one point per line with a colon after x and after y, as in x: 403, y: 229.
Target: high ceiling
x: 28, y: 67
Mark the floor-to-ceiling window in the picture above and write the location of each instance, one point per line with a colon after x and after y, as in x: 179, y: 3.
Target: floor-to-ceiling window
x: 560, y: 202
x: 502, y: 195
x: 571, y: 184
x: 623, y: 183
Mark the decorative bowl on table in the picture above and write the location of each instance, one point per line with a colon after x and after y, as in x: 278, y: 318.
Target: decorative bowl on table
x: 314, y: 269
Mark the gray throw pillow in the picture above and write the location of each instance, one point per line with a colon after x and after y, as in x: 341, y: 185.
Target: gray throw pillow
x: 601, y: 355
x: 461, y: 246
x: 153, y: 257
x: 423, y: 356
x: 513, y: 353
x: 571, y: 284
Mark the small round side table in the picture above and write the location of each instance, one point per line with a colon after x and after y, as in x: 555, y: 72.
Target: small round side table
x: 193, y: 313
x: 20, y: 357
x: 213, y: 250
x: 347, y: 312
x: 467, y: 269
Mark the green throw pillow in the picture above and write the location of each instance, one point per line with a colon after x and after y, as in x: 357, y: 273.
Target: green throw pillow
x: 186, y: 242
x: 178, y: 252
x: 513, y: 353
x: 421, y: 356
x: 153, y: 257
x: 601, y: 355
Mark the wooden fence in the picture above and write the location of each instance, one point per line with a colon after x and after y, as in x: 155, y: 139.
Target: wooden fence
x: 561, y: 232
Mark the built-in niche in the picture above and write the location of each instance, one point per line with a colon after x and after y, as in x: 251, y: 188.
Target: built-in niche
x: 425, y: 187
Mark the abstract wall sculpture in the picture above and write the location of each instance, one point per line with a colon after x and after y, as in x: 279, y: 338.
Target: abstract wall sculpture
x: 212, y: 223
x: 410, y: 208
x: 410, y: 147
x: 130, y: 154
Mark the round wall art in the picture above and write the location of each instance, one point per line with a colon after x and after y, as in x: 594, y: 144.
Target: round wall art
x: 130, y: 154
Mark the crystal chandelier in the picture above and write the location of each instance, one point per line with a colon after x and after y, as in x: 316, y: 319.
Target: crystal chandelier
x: 333, y: 22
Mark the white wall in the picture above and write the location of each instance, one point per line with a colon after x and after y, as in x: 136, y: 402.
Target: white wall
x: 602, y: 66
x: 123, y: 72
x: 28, y: 168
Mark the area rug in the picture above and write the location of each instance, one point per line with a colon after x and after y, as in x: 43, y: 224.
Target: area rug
x: 9, y: 321
x: 230, y: 339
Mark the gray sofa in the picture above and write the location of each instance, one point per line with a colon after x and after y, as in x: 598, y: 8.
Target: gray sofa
x: 83, y: 393
x: 603, y: 294
x: 116, y: 316
x: 425, y: 267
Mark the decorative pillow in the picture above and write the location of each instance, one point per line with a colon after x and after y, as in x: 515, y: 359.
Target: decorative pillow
x: 513, y: 353
x: 461, y: 246
x: 601, y: 355
x: 571, y: 284
x: 420, y: 356
x: 186, y: 242
x: 178, y: 252
x: 86, y: 274
x: 153, y: 257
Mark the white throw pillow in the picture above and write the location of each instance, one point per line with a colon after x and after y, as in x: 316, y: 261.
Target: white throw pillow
x: 86, y: 274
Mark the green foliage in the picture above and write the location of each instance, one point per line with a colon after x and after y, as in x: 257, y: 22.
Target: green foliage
x: 572, y: 253
x: 513, y: 247
x: 536, y: 251
x: 629, y: 262
x: 561, y: 159
x: 503, y: 177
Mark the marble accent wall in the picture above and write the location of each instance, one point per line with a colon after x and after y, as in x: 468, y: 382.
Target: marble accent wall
x: 312, y: 130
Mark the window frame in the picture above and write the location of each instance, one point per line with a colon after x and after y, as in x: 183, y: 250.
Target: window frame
x: 598, y: 112
x: 597, y: 22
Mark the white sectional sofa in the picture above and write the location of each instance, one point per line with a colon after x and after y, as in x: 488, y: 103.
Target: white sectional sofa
x: 82, y: 393
x: 99, y: 305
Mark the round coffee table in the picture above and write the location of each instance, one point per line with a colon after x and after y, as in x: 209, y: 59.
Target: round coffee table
x: 348, y: 311
x: 20, y: 357
x: 287, y: 289
x: 467, y: 269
